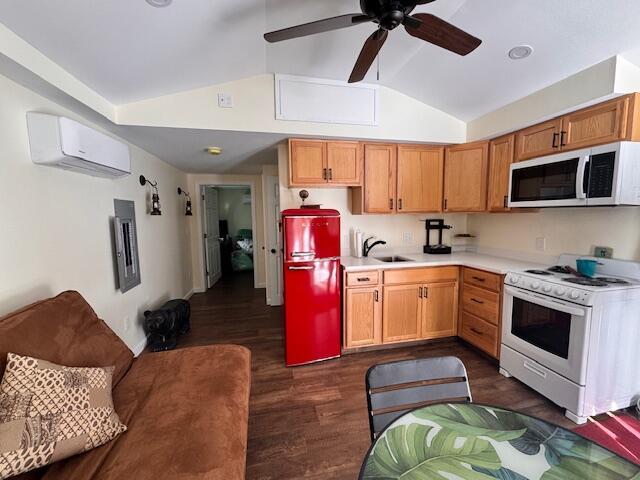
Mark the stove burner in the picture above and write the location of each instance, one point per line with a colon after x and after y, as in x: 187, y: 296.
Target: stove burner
x: 613, y: 280
x: 590, y: 282
x: 538, y: 272
x: 560, y: 269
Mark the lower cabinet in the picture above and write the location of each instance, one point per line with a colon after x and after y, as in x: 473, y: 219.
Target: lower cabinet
x: 402, y: 306
x: 440, y: 310
x: 363, y: 312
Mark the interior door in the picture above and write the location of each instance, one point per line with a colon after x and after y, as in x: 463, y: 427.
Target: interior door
x: 420, y: 173
x: 212, y: 236
x: 274, y: 242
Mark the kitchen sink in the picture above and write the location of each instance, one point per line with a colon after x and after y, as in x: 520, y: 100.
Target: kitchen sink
x: 393, y: 259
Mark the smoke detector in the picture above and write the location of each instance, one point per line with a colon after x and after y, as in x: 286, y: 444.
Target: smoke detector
x: 520, y: 52
x: 159, y: 3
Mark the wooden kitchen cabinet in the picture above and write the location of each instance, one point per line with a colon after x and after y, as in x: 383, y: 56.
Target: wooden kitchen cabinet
x: 501, y: 155
x: 480, y: 310
x: 539, y: 140
x: 439, y: 310
x: 363, y: 317
x: 318, y: 163
x: 344, y: 166
x: 378, y: 194
x: 465, y: 177
x: 604, y: 123
x: 420, y: 174
x: 401, y: 318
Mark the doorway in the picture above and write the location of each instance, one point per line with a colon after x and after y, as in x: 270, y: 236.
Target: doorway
x: 228, y: 225
x: 274, y: 248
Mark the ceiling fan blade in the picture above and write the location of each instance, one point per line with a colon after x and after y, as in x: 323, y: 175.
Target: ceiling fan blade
x: 368, y: 54
x: 424, y: 2
x: 443, y: 34
x: 311, y: 28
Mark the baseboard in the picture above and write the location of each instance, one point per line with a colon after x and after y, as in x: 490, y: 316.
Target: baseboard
x: 139, y: 348
x: 261, y: 285
x: 189, y: 294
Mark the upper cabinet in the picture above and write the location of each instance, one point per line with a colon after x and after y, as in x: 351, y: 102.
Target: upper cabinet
x: 501, y: 153
x: 420, y: 173
x: 465, y: 177
x: 539, y: 140
x: 604, y: 123
x: 318, y: 163
x: 400, y: 179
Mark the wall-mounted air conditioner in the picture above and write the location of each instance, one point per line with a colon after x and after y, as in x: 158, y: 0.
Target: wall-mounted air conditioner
x: 64, y: 143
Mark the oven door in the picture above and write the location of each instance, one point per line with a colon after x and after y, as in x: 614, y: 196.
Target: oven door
x: 552, y: 332
x: 554, y: 181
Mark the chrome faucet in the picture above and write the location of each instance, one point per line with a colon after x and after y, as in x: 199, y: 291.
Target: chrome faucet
x: 366, y: 248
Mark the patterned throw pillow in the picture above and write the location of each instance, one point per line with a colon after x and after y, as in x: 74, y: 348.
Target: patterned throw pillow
x: 49, y: 412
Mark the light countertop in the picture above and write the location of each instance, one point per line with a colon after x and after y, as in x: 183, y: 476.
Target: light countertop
x: 480, y: 261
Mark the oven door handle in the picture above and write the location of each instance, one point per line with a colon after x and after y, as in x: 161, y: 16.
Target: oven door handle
x: 561, y: 307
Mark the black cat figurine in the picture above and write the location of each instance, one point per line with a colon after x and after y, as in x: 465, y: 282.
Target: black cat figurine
x: 162, y: 326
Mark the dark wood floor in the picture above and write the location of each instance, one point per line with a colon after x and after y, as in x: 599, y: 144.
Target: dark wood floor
x: 311, y: 422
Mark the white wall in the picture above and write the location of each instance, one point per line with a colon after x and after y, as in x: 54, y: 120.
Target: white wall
x: 567, y: 230
x: 56, y: 227
x: 402, y: 118
x: 390, y: 228
x: 233, y: 209
x: 195, y: 182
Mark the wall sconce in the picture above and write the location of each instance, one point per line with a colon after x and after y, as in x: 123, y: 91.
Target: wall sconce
x: 187, y: 211
x: 155, y: 198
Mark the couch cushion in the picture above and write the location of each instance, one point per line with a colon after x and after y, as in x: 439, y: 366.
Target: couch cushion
x: 50, y: 412
x: 63, y: 330
x: 187, y: 416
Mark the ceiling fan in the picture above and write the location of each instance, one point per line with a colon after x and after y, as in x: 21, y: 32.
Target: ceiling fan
x: 388, y: 14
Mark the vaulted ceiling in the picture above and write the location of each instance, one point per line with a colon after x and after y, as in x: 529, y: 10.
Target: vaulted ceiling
x: 126, y: 50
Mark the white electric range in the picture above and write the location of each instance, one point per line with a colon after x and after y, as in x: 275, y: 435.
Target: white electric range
x: 575, y: 339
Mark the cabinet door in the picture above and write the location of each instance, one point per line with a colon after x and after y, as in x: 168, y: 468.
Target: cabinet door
x: 440, y: 310
x: 363, y: 317
x: 501, y: 151
x: 420, y: 174
x: 465, y: 177
x: 401, y: 313
x: 344, y: 163
x: 379, y: 178
x: 538, y: 140
x: 307, y: 162
x: 603, y: 123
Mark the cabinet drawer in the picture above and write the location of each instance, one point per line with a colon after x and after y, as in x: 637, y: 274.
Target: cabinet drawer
x: 362, y: 279
x: 482, y: 279
x: 482, y: 303
x: 479, y: 333
x: 420, y: 275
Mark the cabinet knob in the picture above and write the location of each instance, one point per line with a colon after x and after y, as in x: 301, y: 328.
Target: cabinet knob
x: 391, y: 204
x: 554, y: 144
x: 563, y: 134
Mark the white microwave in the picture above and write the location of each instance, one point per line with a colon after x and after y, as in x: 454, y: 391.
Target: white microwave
x: 598, y: 176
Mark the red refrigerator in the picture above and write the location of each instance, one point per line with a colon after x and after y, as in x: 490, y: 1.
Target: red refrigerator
x: 311, y: 285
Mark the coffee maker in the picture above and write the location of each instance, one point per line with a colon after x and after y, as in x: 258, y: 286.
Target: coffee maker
x: 430, y: 225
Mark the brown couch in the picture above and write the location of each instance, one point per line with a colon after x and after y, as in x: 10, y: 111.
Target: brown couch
x: 186, y: 410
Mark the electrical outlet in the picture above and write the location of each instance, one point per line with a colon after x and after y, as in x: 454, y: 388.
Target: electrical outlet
x: 126, y: 324
x: 225, y: 100
x: 541, y: 244
x: 603, y: 252
x: 407, y: 238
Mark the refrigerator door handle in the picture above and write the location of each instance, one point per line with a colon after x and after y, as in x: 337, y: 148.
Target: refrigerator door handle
x: 303, y: 254
x: 301, y: 268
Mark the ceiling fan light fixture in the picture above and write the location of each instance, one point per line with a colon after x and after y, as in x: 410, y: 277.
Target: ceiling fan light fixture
x: 159, y: 3
x: 520, y: 52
